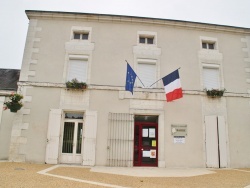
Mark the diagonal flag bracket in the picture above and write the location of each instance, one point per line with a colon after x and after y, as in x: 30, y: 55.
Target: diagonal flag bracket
x: 161, y: 79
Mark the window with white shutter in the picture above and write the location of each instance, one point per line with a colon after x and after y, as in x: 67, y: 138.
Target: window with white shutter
x: 211, y: 77
x: 77, y: 68
x: 147, y: 73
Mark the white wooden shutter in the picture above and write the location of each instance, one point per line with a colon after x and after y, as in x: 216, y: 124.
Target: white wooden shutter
x: 77, y: 69
x: 89, y: 138
x: 211, y: 142
x: 211, y: 78
x: 222, y: 141
x: 147, y: 74
x: 53, y: 136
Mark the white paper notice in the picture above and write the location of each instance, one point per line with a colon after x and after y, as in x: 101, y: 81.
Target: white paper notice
x: 152, y: 133
x: 145, y: 153
x: 144, y: 132
x: 179, y: 139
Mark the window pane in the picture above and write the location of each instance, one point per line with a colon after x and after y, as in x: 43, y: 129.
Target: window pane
x: 73, y: 116
x: 77, y: 69
x: 79, y: 139
x: 142, y: 40
x: 147, y: 74
x: 68, y: 136
x: 150, y: 40
x: 85, y: 36
x: 77, y: 36
x: 204, y: 45
x: 211, y: 46
x: 211, y: 78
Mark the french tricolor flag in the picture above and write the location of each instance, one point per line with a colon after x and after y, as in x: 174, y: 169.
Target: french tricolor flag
x: 172, y: 85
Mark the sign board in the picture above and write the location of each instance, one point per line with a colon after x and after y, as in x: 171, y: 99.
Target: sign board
x: 179, y: 130
x: 179, y: 139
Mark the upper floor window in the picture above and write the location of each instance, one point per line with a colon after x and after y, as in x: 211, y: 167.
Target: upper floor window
x: 208, y: 45
x: 146, y: 40
x: 77, y: 68
x: 81, y: 36
x: 147, y: 37
x: 146, y: 70
x: 81, y: 33
x: 211, y: 77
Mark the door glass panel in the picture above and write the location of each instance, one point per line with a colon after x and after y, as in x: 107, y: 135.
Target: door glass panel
x: 79, y: 139
x: 68, y: 136
x: 148, y: 144
x: 148, y: 156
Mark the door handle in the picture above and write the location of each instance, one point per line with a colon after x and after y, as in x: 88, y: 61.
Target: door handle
x: 141, y: 149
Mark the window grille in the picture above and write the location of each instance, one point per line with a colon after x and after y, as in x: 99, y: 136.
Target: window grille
x: 120, y: 140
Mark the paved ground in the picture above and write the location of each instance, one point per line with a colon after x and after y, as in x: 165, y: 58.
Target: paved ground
x: 24, y: 175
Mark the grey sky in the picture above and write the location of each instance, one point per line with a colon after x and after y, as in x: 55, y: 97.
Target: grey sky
x: 14, y: 22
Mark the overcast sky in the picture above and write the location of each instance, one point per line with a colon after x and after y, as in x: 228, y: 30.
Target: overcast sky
x: 14, y: 23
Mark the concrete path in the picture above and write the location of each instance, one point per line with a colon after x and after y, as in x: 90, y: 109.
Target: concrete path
x: 153, y: 172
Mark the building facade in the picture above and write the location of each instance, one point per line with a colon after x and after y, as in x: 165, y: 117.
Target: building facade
x: 107, y: 126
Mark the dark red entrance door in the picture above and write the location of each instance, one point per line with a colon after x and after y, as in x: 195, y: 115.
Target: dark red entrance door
x: 146, y: 144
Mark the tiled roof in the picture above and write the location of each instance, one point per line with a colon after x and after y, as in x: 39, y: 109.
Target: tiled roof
x: 9, y: 79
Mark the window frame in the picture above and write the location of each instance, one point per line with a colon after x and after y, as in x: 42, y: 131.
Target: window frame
x: 82, y: 31
x: 81, y: 35
x: 80, y: 58
x: 208, y: 41
x: 149, y: 62
x: 211, y: 66
x: 146, y: 38
x: 147, y: 35
x: 207, y: 45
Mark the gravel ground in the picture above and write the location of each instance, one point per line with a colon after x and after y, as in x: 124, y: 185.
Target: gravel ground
x: 25, y: 175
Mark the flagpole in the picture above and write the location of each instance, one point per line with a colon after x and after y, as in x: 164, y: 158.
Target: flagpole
x: 161, y: 78
x: 156, y: 82
x: 137, y: 76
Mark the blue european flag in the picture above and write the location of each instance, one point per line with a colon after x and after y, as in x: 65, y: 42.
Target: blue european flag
x: 130, y: 79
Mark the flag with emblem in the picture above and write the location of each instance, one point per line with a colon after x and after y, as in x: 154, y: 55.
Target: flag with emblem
x: 130, y: 79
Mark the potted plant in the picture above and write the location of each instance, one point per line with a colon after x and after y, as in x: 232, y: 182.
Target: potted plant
x: 15, y: 103
x: 215, y: 92
x: 75, y: 84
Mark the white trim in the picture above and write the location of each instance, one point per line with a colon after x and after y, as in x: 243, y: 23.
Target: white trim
x: 212, y: 66
x: 147, y: 61
x: 45, y: 172
x: 80, y: 57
